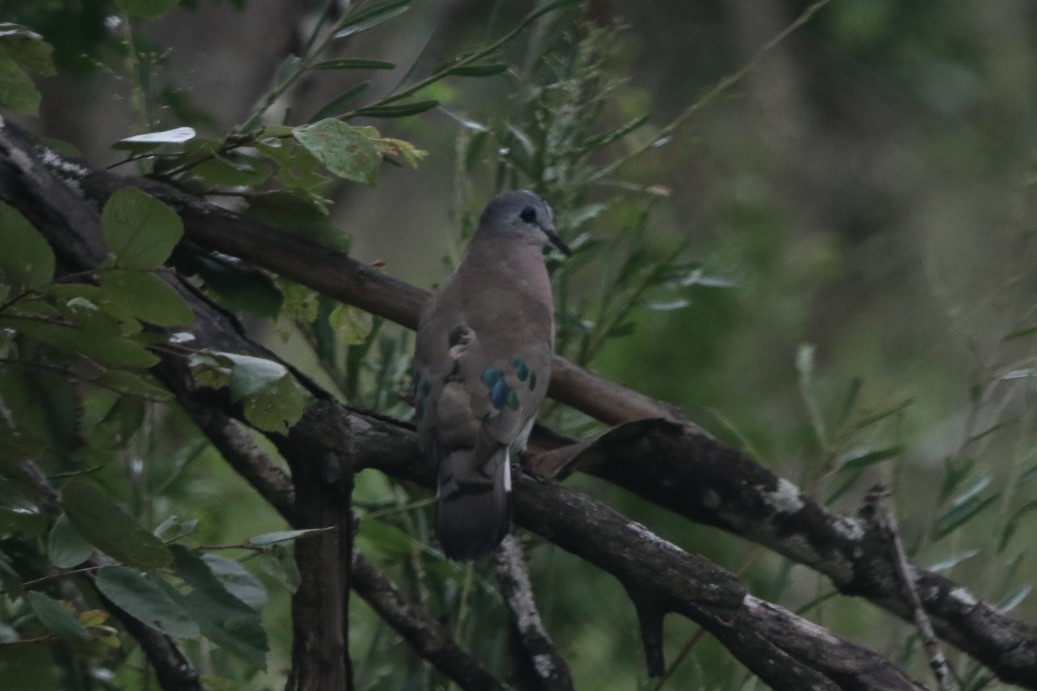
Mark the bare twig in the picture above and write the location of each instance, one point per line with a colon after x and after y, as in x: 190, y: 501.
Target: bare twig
x: 875, y: 510
x: 538, y: 651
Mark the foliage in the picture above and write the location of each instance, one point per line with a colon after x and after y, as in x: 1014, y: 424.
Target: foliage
x: 76, y: 396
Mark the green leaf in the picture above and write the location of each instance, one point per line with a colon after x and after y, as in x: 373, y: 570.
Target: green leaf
x: 237, y: 580
x: 224, y: 619
x: 210, y: 370
x: 960, y: 513
x: 133, y: 384
x: 146, y: 9
x: 399, y: 151
x: 140, y: 143
x: 1015, y: 598
x: 298, y: 169
x: 268, y: 539
x: 236, y: 286
x: 27, y: 48
x: 57, y: 618
x: 338, y: 105
x: 299, y: 215
x: 398, y: 111
x: 1013, y: 523
x: 234, y: 170
x: 108, y: 527
x: 118, y: 425
x: 139, y: 229
x: 114, y: 351
x: 17, y: 92
x: 857, y: 460
x: 145, y: 599
x: 351, y: 325
x: 276, y: 409
x: 19, y: 515
x: 354, y: 64
x: 27, y: 261
x: 66, y: 548
x: 370, y: 16
x: 485, y: 70
x: 146, y: 297
x: 252, y: 375
x: 342, y: 149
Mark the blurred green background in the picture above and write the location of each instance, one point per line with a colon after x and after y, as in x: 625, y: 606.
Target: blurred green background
x: 862, y: 199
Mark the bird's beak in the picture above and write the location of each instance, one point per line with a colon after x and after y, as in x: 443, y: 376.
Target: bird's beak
x: 557, y: 241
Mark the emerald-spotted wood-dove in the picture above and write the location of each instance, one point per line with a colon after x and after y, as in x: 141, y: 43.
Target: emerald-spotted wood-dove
x: 481, y: 368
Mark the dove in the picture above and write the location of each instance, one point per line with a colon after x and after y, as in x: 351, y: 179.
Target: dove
x: 482, y: 363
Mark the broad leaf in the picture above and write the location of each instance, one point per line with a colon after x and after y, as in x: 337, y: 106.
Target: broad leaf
x: 19, y: 515
x: 237, y: 580
x: 108, y: 527
x: 59, y: 620
x: 268, y: 539
x: 66, y: 548
x: 342, y: 149
x: 143, y: 597
x: 114, y: 351
x: 27, y: 261
x: 140, y: 230
x: 146, y: 297
x: 224, y: 619
x: 17, y: 92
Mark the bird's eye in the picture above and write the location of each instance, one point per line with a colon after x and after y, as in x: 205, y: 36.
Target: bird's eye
x: 529, y: 214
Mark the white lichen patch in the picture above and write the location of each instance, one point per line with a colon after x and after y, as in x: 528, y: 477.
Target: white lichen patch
x: 963, y: 597
x: 54, y: 161
x: 711, y: 500
x: 784, y: 499
x: 543, y: 665
x: 848, y: 528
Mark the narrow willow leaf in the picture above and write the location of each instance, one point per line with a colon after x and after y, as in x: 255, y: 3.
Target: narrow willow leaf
x: 225, y: 619
x: 146, y: 9
x: 101, y: 520
x: 1015, y: 598
x: 140, y: 230
x: 370, y: 16
x: 342, y: 149
x: 143, y: 598
x: 959, y: 514
x: 1013, y: 523
x: 950, y: 563
x: 398, y: 111
x: 549, y: 7
x: 858, y: 460
x: 146, y: 142
x: 66, y: 548
x: 27, y: 261
x: 485, y: 70
x: 339, y: 104
x: 268, y: 539
x: 354, y: 64
x: 57, y: 618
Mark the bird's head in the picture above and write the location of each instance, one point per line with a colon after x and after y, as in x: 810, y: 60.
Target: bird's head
x: 522, y: 214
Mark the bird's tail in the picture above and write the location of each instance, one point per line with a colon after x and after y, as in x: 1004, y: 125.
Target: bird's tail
x: 474, y: 502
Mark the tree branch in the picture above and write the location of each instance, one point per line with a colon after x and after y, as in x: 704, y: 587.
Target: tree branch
x: 676, y: 465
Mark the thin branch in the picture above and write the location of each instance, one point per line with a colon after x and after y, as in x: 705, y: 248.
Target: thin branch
x: 538, y: 653
x: 875, y: 511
